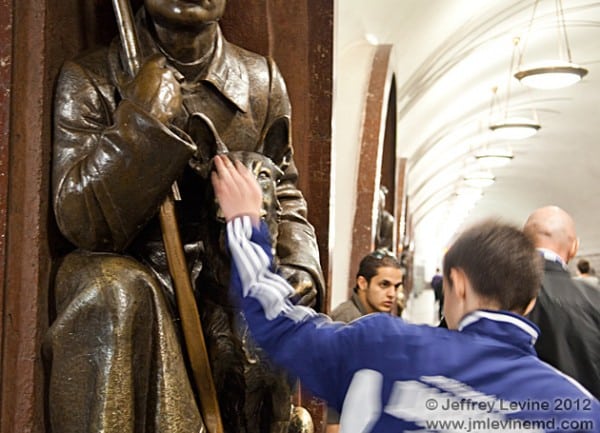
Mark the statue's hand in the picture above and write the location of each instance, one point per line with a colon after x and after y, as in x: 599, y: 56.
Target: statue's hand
x: 156, y: 89
x: 305, y: 289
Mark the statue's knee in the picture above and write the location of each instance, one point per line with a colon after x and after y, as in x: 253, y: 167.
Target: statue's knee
x: 103, y: 279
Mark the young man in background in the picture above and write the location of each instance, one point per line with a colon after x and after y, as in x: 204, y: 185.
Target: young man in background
x: 378, y: 279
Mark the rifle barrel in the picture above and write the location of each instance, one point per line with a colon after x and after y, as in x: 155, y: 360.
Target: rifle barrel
x: 128, y: 35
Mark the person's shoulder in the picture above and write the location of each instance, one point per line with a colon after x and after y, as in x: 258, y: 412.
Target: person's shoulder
x: 92, y: 60
x: 569, y: 290
x: 437, y: 282
x: 388, y: 324
x: 569, y: 304
x: 588, y: 295
x: 345, y: 312
x: 556, y: 279
x: 341, y: 307
x: 249, y: 58
x: 590, y: 281
x: 371, y: 324
x: 263, y: 71
x: 562, y: 384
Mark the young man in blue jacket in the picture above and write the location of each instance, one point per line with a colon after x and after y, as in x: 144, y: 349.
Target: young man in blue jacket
x: 481, y: 374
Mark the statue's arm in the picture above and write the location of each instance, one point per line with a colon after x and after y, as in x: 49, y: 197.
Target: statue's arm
x: 113, y: 163
x: 297, y: 247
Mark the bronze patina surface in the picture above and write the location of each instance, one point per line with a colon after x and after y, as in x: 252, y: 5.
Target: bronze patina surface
x: 115, y: 353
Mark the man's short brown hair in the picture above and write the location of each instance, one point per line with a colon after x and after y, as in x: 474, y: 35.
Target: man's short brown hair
x: 500, y: 262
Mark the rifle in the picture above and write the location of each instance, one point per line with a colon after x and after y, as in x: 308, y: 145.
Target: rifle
x: 186, y: 303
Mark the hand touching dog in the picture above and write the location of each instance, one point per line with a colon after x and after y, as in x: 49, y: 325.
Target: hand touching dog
x: 236, y: 190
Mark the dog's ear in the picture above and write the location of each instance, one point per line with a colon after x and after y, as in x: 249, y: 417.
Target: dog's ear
x: 208, y: 142
x: 277, y: 142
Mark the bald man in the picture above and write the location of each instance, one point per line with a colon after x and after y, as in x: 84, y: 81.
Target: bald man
x: 567, y: 311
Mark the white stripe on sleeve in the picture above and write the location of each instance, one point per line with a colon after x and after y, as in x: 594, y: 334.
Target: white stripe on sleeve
x: 258, y: 282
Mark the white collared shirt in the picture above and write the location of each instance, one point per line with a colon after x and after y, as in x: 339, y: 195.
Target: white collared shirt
x: 552, y: 256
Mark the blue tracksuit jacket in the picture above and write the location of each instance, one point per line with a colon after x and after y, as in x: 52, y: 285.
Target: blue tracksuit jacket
x: 385, y: 375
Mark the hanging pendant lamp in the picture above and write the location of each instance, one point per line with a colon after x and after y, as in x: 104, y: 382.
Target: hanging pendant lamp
x: 553, y: 74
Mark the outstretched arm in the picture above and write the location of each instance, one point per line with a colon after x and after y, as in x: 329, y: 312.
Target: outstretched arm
x: 296, y: 337
x: 242, y: 203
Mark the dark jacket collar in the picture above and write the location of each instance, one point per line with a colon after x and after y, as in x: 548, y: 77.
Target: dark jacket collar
x: 551, y: 265
x: 550, y: 256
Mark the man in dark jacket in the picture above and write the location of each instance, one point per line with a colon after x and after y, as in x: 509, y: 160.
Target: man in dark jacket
x: 567, y: 311
x: 437, y: 285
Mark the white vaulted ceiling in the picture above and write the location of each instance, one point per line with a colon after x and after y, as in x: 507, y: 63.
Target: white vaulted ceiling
x: 448, y: 55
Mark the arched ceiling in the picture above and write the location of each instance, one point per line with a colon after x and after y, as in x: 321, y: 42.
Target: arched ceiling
x: 449, y: 55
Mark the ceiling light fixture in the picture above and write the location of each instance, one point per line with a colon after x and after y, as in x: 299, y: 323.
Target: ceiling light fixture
x: 515, y: 128
x: 551, y: 74
x: 494, y: 157
x: 508, y: 126
x: 479, y: 179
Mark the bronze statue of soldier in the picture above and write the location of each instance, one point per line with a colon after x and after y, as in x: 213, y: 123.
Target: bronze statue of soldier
x: 114, y: 349
x: 384, y: 234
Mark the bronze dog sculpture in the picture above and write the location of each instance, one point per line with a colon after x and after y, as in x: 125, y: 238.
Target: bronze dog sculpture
x: 254, y: 395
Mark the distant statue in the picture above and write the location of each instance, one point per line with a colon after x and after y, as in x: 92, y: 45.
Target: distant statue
x: 114, y: 350
x: 384, y: 238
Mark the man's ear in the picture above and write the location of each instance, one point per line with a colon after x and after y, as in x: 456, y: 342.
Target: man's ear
x: 459, y: 282
x: 362, y: 282
x: 530, y: 306
x: 573, y: 250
